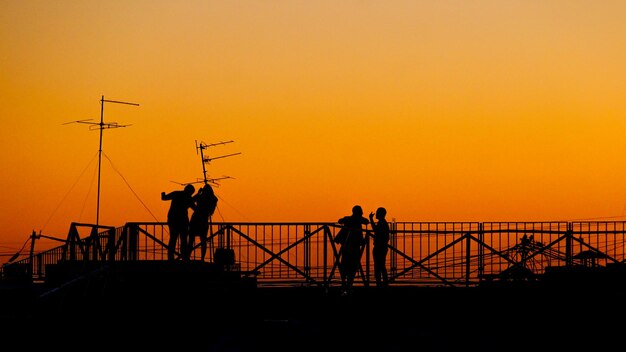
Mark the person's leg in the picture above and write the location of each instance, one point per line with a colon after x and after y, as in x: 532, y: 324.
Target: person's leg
x: 383, y: 267
x: 184, y: 242
x: 352, y: 261
x: 377, y: 265
x: 346, y: 271
x: 203, y: 246
x: 171, y: 245
x: 384, y: 276
x: 190, y: 243
x: 203, y: 233
x: 377, y: 272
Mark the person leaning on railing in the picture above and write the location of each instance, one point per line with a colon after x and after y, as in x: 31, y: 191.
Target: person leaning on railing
x: 351, y: 247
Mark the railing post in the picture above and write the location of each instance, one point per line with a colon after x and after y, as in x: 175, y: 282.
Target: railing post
x: 132, y: 242
x: 568, y: 244
x: 393, y: 239
x: 228, y: 238
x: 72, y: 237
x: 307, y: 250
x: 40, y: 266
x: 326, y: 238
x: 468, y: 256
x: 220, y: 237
x: 124, y: 243
x: 481, y: 250
x: 94, y: 242
x: 366, y: 279
x: 111, y: 244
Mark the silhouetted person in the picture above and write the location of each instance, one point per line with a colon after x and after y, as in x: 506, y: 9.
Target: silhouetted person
x: 205, y: 203
x: 351, y: 248
x: 178, y: 219
x: 381, y: 240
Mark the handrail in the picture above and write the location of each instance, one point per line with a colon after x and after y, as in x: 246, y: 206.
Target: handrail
x: 421, y: 253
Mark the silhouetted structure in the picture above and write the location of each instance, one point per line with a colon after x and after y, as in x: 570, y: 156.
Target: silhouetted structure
x: 114, y: 284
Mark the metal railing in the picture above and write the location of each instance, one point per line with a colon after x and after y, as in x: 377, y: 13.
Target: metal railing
x: 420, y: 253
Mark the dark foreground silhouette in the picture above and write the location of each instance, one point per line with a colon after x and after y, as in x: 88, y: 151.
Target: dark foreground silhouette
x: 183, y: 313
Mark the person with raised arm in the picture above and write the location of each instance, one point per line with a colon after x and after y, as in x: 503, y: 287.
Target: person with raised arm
x: 381, y: 242
x: 351, y: 248
x: 178, y: 219
x: 205, y: 204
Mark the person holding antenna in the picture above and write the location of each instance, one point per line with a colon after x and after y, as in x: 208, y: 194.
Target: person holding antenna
x: 205, y: 203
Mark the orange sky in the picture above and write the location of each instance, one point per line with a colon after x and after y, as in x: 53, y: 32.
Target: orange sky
x: 437, y: 110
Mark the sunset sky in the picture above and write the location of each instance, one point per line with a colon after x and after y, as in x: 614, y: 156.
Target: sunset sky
x: 436, y: 110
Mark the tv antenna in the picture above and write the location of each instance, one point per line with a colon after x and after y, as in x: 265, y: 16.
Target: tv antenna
x: 101, y: 126
x: 201, y: 146
x: 212, y: 180
x: 205, y: 160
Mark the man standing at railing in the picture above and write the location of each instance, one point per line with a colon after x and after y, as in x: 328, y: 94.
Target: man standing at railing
x: 381, y: 240
x: 351, y: 248
x: 178, y: 219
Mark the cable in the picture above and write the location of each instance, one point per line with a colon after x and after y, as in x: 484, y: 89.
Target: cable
x: 68, y: 192
x: 18, y: 252
x: 238, y: 212
x: 82, y: 210
x: 596, y: 218
x: 129, y: 187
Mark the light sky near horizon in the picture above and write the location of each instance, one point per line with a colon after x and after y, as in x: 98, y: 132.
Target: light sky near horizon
x: 437, y: 110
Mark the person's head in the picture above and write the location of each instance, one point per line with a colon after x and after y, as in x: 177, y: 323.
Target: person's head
x: 189, y: 189
x: 381, y: 213
x: 357, y: 210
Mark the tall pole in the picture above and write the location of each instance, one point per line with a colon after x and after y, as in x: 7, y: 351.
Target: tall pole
x: 101, y: 126
x: 100, y: 160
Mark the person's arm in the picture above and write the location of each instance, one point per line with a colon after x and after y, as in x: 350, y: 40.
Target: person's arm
x: 194, y: 199
x: 166, y: 196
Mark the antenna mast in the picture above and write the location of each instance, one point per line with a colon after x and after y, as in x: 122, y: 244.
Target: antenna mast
x: 101, y: 126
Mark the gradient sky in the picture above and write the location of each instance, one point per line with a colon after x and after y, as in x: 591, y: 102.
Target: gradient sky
x: 437, y: 110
